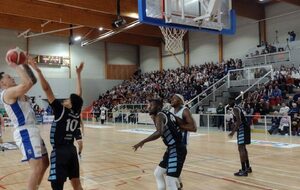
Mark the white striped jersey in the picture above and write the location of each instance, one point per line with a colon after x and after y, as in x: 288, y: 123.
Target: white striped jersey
x: 20, y: 113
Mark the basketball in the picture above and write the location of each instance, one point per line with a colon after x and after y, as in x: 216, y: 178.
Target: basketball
x: 15, y: 56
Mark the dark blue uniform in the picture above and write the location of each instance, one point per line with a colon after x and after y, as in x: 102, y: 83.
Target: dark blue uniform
x: 65, y: 127
x: 175, y: 154
x: 243, y: 131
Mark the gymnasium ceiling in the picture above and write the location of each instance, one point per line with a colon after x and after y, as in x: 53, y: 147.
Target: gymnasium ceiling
x: 47, y: 15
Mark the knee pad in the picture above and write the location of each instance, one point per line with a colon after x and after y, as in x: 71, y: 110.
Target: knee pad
x: 159, y: 174
x: 172, y: 183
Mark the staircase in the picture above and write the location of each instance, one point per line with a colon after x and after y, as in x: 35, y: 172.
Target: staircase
x: 234, y: 84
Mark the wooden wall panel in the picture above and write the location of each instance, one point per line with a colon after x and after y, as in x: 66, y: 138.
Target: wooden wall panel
x: 120, y: 72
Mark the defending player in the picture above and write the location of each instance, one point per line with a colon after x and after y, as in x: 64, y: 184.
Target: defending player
x: 64, y: 159
x: 174, y: 157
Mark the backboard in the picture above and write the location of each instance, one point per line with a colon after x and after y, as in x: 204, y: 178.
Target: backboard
x: 216, y: 16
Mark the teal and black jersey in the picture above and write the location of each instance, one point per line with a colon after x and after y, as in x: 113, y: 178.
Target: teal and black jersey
x: 172, y: 134
x: 243, y: 118
x: 243, y: 131
x: 65, y: 127
x: 175, y: 154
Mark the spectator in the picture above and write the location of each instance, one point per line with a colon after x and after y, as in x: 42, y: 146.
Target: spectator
x: 284, y: 109
x: 275, y: 124
x: 220, y: 111
x: 200, y: 110
x: 284, y: 125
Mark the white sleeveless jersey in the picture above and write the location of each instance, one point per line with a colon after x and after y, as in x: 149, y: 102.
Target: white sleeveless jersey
x: 179, y: 114
x: 20, y: 113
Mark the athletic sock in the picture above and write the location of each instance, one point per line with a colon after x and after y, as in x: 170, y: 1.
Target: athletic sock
x: 247, y: 164
x: 243, y: 164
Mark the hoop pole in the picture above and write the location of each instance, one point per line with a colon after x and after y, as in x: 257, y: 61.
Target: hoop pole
x: 177, y: 60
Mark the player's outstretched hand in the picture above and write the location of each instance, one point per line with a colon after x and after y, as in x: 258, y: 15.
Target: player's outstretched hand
x: 138, y: 145
x: 230, y: 135
x: 32, y: 62
x: 79, y: 69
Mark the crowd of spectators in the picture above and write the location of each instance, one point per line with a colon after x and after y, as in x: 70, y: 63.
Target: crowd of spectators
x: 188, y: 81
x: 274, y: 98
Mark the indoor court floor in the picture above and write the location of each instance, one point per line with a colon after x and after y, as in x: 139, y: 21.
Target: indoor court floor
x: 109, y: 163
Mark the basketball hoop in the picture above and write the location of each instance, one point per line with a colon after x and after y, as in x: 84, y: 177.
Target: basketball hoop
x: 173, y: 39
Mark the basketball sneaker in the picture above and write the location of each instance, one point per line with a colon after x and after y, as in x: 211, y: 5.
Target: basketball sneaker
x: 241, y: 173
x: 249, y: 170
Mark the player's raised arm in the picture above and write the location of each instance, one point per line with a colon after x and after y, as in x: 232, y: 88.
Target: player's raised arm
x: 44, y: 83
x: 78, y: 82
x: 24, y: 72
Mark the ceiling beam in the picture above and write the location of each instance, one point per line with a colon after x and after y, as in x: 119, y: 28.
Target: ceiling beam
x: 57, y: 13
x: 249, y: 9
x: 125, y: 38
x: 128, y: 8
x: 21, y: 24
x: 66, y: 15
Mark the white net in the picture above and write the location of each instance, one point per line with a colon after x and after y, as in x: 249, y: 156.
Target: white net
x: 173, y: 39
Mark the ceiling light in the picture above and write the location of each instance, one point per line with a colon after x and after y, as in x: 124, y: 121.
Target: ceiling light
x: 133, y: 15
x: 101, y: 28
x: 77, y: 38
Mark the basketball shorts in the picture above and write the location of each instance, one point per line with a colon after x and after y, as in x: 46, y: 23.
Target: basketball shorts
x: 173, y: 160
x: 64, y: 163
x: 244, y: 135
x: 30, y: 142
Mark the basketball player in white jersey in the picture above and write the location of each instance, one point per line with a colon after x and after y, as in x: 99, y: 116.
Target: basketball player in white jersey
x: 182, y: 112
x: 26, y: 135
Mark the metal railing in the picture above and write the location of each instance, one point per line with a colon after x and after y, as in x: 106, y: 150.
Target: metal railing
x: 263, y: 80
x: 271, y: 58
x: 210, y: 122
x: 247, y: 76
x: 264, y: 122
x: 129, y: 107
x: 207, y: 92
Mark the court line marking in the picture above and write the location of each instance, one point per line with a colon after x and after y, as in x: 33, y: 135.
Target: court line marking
x: 212, y: 158
x: 209, y: 175
x: 232, y: 180
x: 212, y: 169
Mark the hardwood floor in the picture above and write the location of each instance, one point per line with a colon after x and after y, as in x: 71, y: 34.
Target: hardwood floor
x: 109, y: 163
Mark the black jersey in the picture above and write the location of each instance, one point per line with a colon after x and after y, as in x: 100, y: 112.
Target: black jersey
x: 243, y: 118
x: 172, y: 134
x: 65, y: 127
